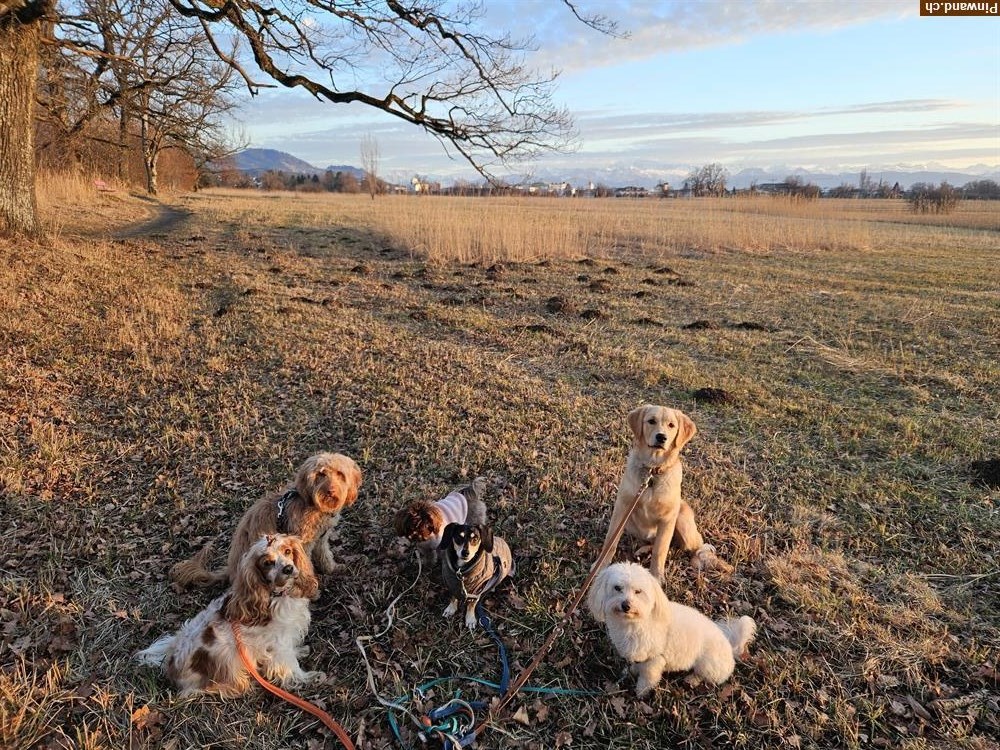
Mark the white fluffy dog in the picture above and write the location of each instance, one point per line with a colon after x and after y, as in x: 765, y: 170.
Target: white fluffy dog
x: 657, y: 635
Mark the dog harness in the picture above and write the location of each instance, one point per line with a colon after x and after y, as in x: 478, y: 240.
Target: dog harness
x: 282, y: 520
x: 463, y: 570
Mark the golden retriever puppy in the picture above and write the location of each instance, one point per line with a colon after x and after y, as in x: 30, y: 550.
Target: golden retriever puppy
x: 656, y: 635
x: 325, y: 484
x: 661, y: 517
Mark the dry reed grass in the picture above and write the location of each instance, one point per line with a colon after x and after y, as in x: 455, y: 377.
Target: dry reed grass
x: 70, y: 203
x: 454, y: 229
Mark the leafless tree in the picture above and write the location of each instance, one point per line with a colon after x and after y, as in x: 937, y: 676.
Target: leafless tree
x: 708, y: 180
x: 431, y: 64
x: 147, y: 65
x: 981, y: 190
x: 370, y: 163
x: 214, y: 151
x: 183, y: 108
x: 434, y: 65
x: 797, y: 187
x: 70, y: 96
x: 925, y: 198
x: 165, y: 78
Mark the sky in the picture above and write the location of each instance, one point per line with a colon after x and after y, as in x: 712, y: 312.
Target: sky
x: 810, y: 84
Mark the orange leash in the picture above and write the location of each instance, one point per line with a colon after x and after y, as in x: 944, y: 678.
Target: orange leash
x: 305, y: 705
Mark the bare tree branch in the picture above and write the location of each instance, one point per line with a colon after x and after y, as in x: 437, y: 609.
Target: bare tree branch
x: 597, y: 22
x: 429, y: 63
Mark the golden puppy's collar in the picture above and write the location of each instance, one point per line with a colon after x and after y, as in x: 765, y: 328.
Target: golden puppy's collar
x: 656, y: 471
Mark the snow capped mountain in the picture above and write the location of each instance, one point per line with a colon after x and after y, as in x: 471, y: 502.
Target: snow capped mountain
x: 649, y: 174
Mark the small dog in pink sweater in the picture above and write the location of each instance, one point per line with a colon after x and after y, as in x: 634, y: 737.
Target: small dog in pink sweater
x: 423, y: 522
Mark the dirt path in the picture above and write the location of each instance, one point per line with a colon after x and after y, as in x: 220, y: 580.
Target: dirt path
x: 165, y: 219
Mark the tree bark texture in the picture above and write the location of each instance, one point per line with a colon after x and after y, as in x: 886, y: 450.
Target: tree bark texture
x: 150, y: 154
x: 20, y: 36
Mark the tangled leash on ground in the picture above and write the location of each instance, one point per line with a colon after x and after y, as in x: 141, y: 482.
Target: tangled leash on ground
x: 451, y: 723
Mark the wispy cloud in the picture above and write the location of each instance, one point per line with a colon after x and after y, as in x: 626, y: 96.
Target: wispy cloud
x: 656, y: 28
x: 404, y: 152
x: 945, y: 143
x: 600, y: 125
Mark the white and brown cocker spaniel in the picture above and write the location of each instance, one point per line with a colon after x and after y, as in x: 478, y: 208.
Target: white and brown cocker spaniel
x: 269, y: 602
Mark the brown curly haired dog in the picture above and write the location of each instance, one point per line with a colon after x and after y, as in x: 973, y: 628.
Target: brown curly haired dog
x: 325, y: 484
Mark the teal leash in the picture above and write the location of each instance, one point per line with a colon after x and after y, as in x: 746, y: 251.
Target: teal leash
x: 454, y: 722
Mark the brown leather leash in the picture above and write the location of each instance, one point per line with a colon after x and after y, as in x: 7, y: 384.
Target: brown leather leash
x: 560, y: 627
x: 305, y: 705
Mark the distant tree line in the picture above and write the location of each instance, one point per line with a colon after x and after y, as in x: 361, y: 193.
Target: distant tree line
x: 925, y: 197
x: 709, y: 180
x: 330, y: 181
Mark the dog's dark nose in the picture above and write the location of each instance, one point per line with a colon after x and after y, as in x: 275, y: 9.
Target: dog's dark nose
x: 661, y: 438
x: 288, y: 570
x: 626, y: 606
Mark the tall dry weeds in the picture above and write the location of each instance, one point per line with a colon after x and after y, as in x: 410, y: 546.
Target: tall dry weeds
x: 454, y: 229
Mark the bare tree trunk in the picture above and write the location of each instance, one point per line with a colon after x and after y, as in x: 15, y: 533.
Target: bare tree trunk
x: 123, y: 145
x: 369, y: 163
x: 20, y: 35
x: 151, y: 173
x: 149, y: 155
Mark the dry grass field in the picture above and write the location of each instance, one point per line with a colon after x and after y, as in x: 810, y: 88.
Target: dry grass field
x: 841, y: 361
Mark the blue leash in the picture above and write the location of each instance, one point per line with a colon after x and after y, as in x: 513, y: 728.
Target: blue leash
x: 487, y: 625
x: 446, y: 722
x: 453, y: 723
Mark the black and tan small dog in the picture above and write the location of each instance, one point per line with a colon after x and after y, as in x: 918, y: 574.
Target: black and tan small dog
x: 474, y: 562
x: 423, y: 522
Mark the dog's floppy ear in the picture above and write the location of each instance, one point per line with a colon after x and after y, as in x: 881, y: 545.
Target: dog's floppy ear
x: 635, y: 418
x: 400, y: 522
x: 306, y: 586
x: 351, y: 479
x: 486, y: 537
x: 597, y: 596
x: 305, y: 479
x: 250, y: 600
x: 661, y: 605
x: 685, y: 429
x: 448, y: 536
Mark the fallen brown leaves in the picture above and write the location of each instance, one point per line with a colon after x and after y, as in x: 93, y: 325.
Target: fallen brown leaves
x: 138, y: 422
